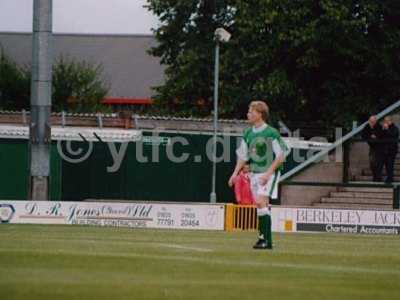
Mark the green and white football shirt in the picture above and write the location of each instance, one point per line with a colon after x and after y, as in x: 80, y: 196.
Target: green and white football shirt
x: 260, y: 146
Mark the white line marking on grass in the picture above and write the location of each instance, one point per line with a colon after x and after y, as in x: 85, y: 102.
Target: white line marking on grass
x: 181, y: 247
x: 296, y: 266
x: 209, y: 260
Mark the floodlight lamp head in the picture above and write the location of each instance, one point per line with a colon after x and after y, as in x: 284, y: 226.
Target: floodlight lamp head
x: 221, y: 35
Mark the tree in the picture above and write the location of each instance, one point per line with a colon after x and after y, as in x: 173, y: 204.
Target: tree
x: 327, y: 62
x: 14, y: 84
x: 186, y: 46
x: 78, y: 86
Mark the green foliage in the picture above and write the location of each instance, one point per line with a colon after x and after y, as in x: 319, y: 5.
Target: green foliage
x: 324, y: 62
x: 77, y: 86
x: 186, y: 46
x: 14, y: 84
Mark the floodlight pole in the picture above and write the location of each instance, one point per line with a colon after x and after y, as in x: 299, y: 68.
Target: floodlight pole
x: 40, y: 128
x: 213, y: 195
x: 220, y: 35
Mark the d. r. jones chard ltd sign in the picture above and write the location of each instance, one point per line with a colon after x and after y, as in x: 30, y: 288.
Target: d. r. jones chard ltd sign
x: 119, y: 214
x: 132, y: 215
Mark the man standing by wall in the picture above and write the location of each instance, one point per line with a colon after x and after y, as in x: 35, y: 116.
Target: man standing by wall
x: 390, y: 139
x: 372, y: 134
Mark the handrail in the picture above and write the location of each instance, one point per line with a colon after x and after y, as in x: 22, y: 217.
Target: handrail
x: 337, y: 143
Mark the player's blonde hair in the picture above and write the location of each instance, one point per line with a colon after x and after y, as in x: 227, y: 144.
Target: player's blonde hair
x: 261, y: 107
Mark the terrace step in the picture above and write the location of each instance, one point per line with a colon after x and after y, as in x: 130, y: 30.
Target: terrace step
x: 356, y: 201
x: 366, y: 189
x: 364, y: 178
x: 352, y: 206
x: 361, y: 195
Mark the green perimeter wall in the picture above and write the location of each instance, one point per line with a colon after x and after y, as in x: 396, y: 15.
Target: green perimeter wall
x: 159, y: 181
x: 14, y: 170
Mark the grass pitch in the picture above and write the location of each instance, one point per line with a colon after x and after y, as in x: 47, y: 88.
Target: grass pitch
x: 73, y: 262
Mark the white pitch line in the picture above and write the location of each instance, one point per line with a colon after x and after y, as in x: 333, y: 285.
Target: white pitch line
x: 247, y: 263
x: 181, y: 247
x: 283, y: 265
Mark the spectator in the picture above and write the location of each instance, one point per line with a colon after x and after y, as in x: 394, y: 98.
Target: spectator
x: 243, y: 192
x: 390, y: 139
x: 372, y: 134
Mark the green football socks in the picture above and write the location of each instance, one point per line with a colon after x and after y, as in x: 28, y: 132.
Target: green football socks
x: 265, y: 225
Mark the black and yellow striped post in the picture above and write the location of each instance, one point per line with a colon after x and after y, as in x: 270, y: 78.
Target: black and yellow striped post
x: 240, y: 217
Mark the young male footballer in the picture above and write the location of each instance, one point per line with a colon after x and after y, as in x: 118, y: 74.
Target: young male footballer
x: 263, y: 148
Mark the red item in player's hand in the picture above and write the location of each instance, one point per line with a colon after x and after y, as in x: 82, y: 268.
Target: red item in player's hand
x: 243, y: 192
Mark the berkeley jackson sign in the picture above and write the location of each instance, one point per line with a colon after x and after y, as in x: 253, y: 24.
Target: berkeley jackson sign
x: 347, y: 221
x: 135, y: 215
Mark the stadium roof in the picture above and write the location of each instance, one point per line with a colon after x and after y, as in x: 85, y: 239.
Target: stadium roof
x: 75, y: 134
x: 93, y: 134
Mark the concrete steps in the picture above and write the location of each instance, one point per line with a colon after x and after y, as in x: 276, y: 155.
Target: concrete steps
x: 352, y: 206
x: 366, y: 195
x: 365, y: 178
x: 347, y: 200
x: 358, y: 197
x: 368, y: 172
x: 365, y: 189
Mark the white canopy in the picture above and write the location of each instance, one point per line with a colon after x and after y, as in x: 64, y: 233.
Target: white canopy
x: 75, y: 134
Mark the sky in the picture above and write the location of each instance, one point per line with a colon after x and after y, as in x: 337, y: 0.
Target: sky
x: 81, y: 16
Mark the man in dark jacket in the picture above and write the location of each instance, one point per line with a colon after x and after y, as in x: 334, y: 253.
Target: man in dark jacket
x: 390, y: 139
x: 372, y: 134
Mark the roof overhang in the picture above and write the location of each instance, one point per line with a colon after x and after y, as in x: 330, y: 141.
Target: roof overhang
x: 75, y: 134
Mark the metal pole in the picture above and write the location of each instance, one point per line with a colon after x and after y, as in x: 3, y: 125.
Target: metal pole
x: 213, y: 195
x: 40, y: 128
